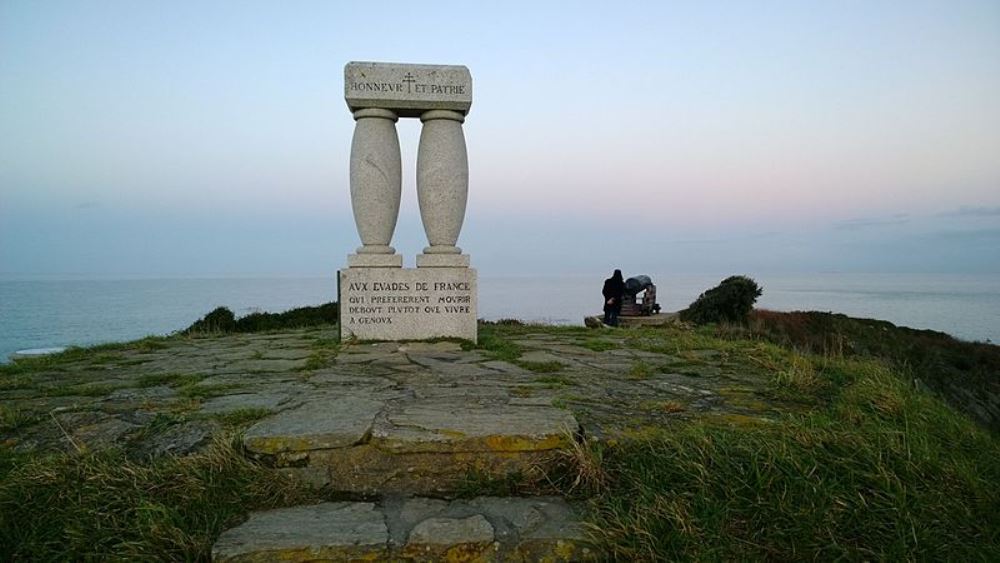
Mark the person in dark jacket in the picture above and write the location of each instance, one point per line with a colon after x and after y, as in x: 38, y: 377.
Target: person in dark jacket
x: 614, y: 290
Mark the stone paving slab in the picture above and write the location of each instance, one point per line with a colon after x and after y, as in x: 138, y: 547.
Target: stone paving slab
x: 412, y: 529
x: 333, y: 531
x: 230, y: 403
x: 411, y: 444
x: 455, y: 426
x: 369, y: 470
x: 456, y: 365
x: 180, y: 439
x: 317, y: 425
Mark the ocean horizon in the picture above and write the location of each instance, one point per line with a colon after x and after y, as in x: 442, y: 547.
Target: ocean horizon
x: 53, y: 312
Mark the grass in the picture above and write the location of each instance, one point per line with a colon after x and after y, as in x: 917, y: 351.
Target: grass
x: 522, y: 391
x: 680, y: 367
x: 863, y: 467
x: 205, y: 391
x: 599, y: 344
x: 874, y: 470
x: 554, y: 381
x: 151, y: 343
x: 324, y: 350
x: 316, y: 360
x: 799, y: 376
x: 169, y: 379
x: 99, y: 354
x: 105, y: 506
x: 541, y: 367
x: 12, y: 419
x: 160, y: 422
x: 83, y: 390
x: 10, y: 381
x: 668, y: 406
x: 963, y: 373
x: 639, y: 370
x: 495, y: 345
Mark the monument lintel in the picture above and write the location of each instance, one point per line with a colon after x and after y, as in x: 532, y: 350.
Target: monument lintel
x: 407, y: 89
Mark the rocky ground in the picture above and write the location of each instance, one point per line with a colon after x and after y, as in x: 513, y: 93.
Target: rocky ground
x: 402, y: 430
x: 172, y: 395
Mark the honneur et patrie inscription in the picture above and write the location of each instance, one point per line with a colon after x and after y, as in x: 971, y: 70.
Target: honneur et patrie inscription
x: 409, y: 87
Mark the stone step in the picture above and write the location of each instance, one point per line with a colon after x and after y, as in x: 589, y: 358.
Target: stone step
x: 429, y: 445
x: 411, y: 529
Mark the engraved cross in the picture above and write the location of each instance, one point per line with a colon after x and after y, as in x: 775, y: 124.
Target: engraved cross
x: 409, y: 82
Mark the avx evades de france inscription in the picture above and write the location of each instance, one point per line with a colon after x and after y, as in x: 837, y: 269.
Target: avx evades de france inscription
x: 407, y: 304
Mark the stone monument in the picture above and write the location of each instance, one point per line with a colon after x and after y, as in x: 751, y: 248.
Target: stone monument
x: 379, y: 299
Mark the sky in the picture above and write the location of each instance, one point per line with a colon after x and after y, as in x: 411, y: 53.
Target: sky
x: 187, y: 139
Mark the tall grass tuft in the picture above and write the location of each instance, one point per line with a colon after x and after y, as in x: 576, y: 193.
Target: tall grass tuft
x: 104, y: 506
x: 880, y: 472
x: 493, y: 342
x: 963, y: 373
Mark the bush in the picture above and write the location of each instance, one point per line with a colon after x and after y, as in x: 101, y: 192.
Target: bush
x: 732, y: 300
x: 296, y: 318
x: 223, y: 320
x: 220, y: 319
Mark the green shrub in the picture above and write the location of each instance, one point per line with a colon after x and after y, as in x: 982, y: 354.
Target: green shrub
x: 223, y: 320
x: 220, y: 319
x: 732, y: 300
x: 295, y: 318
x: 504, y: 322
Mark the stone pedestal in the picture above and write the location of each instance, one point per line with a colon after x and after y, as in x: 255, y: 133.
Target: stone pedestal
x: 374, y: 261
x: 442, y: 260
x: 407, y: 303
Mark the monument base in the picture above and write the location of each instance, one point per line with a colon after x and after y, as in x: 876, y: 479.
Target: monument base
x: 407, y: 303
x: 375, y: 261
x: 442, y: 260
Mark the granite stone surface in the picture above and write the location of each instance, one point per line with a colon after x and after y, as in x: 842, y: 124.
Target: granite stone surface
x: 407, y: 89
x: 408, y: 303
x: 331, y: 531
x: 443, y: 260
x: 375, y: 261
x: 442, y: 180
x: 315, y: 425
x: 486, y: 529
x: 375, y: 179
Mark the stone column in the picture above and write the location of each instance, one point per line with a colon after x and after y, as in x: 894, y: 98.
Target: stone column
x: 442, y: 187
x: 376, y: 185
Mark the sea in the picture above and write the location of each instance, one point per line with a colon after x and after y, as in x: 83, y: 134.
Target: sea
x: 43, y: 313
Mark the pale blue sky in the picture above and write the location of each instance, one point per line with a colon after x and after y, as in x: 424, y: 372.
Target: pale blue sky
x: 189, y: 138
